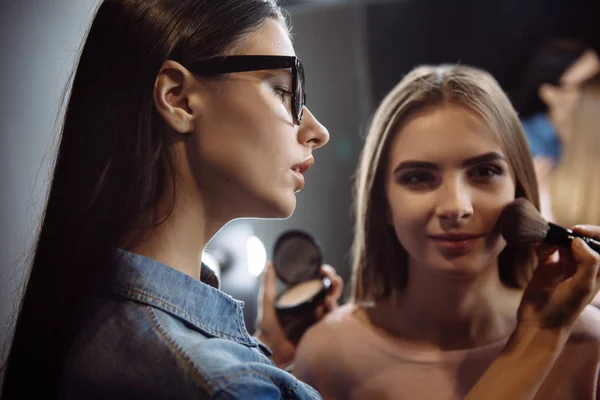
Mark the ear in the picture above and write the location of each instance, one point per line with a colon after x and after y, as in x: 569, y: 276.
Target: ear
x: 547, y: 93
x: 176, y: 96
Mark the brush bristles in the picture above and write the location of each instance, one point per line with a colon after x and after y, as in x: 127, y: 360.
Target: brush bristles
x: 521, y: 222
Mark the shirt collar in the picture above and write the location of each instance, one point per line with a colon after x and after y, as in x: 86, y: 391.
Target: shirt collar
x: 197, y: 302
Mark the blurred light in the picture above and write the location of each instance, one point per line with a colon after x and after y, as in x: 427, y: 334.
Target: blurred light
x: 257, y: 256
x: 212, y: 263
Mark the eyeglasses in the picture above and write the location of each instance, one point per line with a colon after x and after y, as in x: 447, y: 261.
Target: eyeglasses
x: 229, y: 64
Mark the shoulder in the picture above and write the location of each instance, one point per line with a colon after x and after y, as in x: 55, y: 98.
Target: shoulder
x: 575, y: 372
x: 119, y: 352
x: 584, y: 341
x: 596, y: 301
x: 587, y: 326
x: 341, y: 316
x: 261, y: 382
x: 325, y: 340
x: 225, y: 368
x: 214, y: 359
x: 127, y: 348
x: 333, y: 326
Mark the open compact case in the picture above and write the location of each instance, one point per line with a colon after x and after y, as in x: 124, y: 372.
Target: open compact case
x: 297, y: 258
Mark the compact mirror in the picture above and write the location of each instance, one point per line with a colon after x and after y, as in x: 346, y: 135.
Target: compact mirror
x: 297, y: 258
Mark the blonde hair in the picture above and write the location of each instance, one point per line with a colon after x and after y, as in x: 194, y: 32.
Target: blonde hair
x: 575, y: 183
x: 379, y: 261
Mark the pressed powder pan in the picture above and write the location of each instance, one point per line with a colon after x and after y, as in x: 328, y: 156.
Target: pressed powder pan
x: 297, y: 258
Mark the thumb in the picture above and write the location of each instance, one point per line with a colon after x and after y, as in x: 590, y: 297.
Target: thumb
x: 269, y: 284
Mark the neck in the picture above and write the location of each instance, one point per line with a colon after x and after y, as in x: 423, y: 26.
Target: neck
x: 452, y: 312
x: 179, y: 240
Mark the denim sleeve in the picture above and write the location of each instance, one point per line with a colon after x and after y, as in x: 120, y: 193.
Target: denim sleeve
x: 250, y: 388
x: 259, y: 385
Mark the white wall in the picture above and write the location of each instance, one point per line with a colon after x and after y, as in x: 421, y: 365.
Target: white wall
x: 39, y: 40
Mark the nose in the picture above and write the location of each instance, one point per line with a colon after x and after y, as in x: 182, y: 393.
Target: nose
x: 454, y: 205
x: 311, y: 132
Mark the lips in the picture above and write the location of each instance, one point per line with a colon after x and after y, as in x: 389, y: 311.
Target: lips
x: 456, y: 237
x: 304, y: 165
x: 299, y: 169
x: 456, y: 243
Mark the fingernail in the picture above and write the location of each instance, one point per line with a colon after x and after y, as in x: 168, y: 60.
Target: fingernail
x: 327, y: 268
x: 579, y: 243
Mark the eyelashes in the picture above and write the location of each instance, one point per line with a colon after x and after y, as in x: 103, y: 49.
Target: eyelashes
x: 424, y: 178
x: 282, y: 92
x: 485, y: 171
x: 417, y: 177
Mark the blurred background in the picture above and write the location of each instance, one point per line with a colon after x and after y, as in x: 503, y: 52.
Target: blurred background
x: 353, y: 51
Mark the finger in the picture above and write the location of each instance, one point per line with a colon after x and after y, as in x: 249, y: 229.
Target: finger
x: 547, y: 276
x: 269, y: 284
x: 319, y: 312
x: 588, y: 263
x: 328, y: 271
x: 545, y: 252
x: 330, y: 303
x: 337, y: 283
x: 567, y: 262
x: 337, y: 287
x: 592, y: 231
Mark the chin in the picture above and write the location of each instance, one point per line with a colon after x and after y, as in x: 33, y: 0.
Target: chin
x: 286, y: 210
x: 281, y: 208
x: 472, y: 264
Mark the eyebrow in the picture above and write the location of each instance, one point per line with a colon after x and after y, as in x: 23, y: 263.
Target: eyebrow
x: 487, y: 157
x: 275, y: 73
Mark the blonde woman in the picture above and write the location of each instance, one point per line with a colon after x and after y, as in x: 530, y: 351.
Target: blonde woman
x: 575, y: 182
x: 437, y: 293
x: 572, y: 187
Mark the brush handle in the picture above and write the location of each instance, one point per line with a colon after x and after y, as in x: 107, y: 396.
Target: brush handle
x: 559, y: 236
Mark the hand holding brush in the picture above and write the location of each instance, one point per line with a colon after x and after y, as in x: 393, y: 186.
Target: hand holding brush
x: 559, y: 289
x: 520, y: 222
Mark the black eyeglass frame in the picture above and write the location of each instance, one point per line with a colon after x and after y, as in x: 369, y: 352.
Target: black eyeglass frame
x: 246, y: 63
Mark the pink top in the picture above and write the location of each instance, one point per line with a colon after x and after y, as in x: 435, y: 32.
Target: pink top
x: 345, y: 359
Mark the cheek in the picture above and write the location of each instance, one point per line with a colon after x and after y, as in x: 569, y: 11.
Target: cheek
x: 409, y: 214
x: 489, y: 207
x: 261, y: 130
x: 247, y: 129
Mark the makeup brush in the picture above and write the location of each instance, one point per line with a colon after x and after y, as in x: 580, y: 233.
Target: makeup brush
x: 520, y: 223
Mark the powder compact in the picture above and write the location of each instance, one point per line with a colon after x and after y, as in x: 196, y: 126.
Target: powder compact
x: 297, y: 258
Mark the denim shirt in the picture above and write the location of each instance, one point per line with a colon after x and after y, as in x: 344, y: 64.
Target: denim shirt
x: 160, y: 334
x: 541, y: 136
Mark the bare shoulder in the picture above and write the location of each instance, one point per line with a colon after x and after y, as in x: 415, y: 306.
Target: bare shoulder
x: 332, y: 327
x: 596, y: 300
x: 325, y: 340
x: 587, y: 327
x: 342, y: 315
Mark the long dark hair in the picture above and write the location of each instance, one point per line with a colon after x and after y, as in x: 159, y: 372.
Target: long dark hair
x: 112, y: 167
